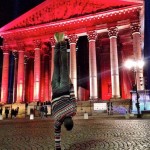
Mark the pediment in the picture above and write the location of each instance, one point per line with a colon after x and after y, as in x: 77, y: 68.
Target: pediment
x: 55, y: 10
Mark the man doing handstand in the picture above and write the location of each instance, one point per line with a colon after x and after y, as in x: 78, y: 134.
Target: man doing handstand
x: 63, y: 99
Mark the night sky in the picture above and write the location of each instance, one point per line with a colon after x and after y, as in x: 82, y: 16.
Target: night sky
x: 10, y: 9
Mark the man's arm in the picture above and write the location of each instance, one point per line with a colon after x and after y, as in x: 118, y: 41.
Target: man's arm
x: 73, y: 99
x: 57, y: 127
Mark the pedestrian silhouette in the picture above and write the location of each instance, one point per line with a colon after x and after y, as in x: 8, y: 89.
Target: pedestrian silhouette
x: 1, y: 110
x: 6, y: 112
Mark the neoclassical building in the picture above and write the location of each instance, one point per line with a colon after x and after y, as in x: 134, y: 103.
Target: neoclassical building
x: 101, y: 35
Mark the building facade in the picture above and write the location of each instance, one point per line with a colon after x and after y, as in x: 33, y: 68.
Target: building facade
x: 101, y: 35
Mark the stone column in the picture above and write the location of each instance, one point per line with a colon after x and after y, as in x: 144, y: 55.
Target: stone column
x: 5, y: 74
x: 137, y: 52
x: 52, y: 41
x: 15, y: 53
x: 26, y: 58
x: 36, y: 96
x: 115, y: 85
x: 42, y: 81
x: 73, y: 61
x: 92, y: 65
x: 46, y: 73
x: 20, y: 73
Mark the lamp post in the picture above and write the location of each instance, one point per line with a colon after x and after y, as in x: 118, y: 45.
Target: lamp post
x: 135, y: 65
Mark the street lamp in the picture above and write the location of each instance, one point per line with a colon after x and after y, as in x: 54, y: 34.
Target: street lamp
x: 135, y: 65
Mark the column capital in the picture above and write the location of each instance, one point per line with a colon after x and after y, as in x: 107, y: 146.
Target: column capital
x: 26, y: 58
x: 112, y: 32
x: 92, y: 35
x: 135, y: 28
x: 31, y: 53
x: 5, y: 48
x: 52, y: 41
x: 73, y: 38
x: 37, y: 43
x: 45, y: 50
x: 15, y: 54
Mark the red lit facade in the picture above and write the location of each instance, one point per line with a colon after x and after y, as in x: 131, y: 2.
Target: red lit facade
x: 101, y: 35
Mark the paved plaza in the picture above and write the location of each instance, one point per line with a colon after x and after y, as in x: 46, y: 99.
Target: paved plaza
x: 97, y: 133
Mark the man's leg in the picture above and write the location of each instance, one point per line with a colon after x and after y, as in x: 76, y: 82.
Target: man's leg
x: 56, y: 73
x: 64, y: 71
x: 57, y: 128
x: 60, y: 82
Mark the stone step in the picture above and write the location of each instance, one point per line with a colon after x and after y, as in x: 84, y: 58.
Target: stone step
x: 145, y: 112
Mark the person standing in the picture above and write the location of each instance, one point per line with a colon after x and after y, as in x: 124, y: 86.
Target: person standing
x: 45, y: 111
x: 1, y: 110
x: 12, y: 113
x: 63, y: 98
x: 6, y: 112
x: 42, y: 111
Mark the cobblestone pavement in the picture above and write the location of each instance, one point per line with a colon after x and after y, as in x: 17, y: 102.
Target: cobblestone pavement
x: 91, y: 134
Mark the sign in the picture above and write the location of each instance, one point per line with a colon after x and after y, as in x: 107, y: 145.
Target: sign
x: 100, y: 106
x: 1, y: 117
x: 86, y: 116
x: 31, y: 117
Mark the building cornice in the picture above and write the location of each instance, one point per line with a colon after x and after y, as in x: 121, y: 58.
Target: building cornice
x: 75, y: 24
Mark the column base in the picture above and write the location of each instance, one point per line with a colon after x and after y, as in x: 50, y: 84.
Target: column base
x: 1, y: 103
x: 93, y: 98
x: 115, y: 99
x: 19, y: 103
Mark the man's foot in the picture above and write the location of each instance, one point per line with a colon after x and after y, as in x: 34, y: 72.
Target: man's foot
x: 59, y: 36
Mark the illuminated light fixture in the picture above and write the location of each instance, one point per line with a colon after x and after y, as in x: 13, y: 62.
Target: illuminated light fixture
x: 140, y: 64
x: 129, y: 64
x: 136, y: 64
